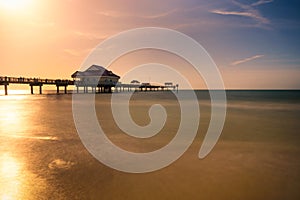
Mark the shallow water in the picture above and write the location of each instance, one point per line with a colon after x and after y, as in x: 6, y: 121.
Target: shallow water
x: 257, y: 156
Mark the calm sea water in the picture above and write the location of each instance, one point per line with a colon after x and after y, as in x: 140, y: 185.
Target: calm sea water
x: 257, y: 156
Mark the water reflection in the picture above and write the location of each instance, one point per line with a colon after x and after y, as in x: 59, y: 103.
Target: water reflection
x: 16, y: 122
x: 10, y: 166
x: 10, y: 181
x: 12, y: 91
x: 13, y: 115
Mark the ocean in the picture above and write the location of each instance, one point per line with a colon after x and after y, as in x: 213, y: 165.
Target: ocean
x: 256, y: 157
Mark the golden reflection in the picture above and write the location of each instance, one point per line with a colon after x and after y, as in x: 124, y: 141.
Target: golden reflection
x: 14, y: 93
x: 13, y: 116
x: 12, y: 122
x: 13, y: 97
x: 10, y: 177
x: 18, y: 116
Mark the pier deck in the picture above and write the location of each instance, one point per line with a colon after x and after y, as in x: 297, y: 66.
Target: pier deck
x: 35, y: 82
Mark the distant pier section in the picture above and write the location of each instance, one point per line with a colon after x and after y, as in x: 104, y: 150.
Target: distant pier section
x: 95, y: 78
x: 137, y: 86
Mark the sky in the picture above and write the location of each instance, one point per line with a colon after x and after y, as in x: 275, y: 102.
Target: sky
x: 255, y: 43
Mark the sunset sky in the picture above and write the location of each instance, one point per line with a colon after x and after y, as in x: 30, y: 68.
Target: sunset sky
x: 255, y: 44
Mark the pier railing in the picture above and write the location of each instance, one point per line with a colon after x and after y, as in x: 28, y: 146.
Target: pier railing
x: 4, y: 80
x: 23, y: 80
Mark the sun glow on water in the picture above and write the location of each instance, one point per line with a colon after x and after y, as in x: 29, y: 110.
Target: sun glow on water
x: 12, y: 114
x: 9, y: 167
x: 14, y: 92
x: 9, y: 173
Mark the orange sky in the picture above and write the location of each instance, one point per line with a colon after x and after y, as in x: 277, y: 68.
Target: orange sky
x: 51, y: 38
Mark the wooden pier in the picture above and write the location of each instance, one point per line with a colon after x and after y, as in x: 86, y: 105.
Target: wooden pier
x: 94, y: 87
x: 35, y: 82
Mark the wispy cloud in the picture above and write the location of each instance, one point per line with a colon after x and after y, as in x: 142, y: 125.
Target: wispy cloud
x: 256, y: 15
x: 253, y: 15
x: 261, y: 2
x: 114, y: 14
x: 90, y: 36
x: 77, y: 52
x: 246, y: 11
x: 160, y: 15
x: 238, y: 62
x: 72, y: 52
x: 119, y: 14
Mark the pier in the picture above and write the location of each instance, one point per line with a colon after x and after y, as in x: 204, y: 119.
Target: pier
x: 97, y: 88
x: 138, y: 87
x: 35, y: 82
x: 120, y: 87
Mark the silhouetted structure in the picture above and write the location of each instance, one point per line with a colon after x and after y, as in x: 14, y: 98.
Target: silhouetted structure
x: 169, y: 85
x: 95, y: 77
x: 35, y: 82
x: 135, y: 82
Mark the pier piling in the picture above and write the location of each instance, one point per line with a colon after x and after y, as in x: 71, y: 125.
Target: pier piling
x: 5, y: 88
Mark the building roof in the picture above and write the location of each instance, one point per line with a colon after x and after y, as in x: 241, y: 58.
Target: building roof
x: 94, y: 70
x: 134, y: 81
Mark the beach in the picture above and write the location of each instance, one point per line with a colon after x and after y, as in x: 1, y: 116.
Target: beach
x: 256, y: 157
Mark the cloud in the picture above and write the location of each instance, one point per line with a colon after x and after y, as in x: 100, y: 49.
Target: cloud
x: 114, y: 14
x: 250, y: 14
x: 246, y: 11
x: 260, y: 2
x: 118, y: 14
x: 160, y: 15
x: 72, y: 52
x: 90, y: 36
x: 238, y: 62
x: 77, y: 53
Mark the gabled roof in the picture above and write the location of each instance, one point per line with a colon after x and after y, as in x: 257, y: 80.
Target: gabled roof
x: 94, y: 70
